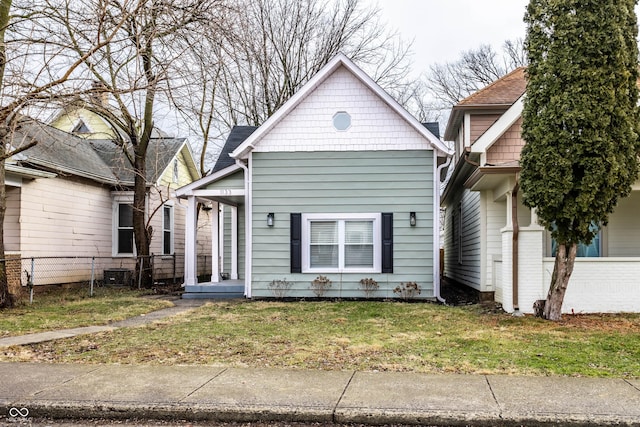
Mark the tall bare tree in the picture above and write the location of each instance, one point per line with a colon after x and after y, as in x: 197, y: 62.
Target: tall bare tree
x: 448, y: 83
x: 35, y: 70
x: 134, y: 70
x: 273, y: 47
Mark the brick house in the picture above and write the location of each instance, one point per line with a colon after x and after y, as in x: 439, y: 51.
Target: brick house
x: 494, y: 244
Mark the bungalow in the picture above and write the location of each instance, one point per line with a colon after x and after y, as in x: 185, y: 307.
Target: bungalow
x: 339, y: 186
x: 494, y: 244
x: 71, y: 197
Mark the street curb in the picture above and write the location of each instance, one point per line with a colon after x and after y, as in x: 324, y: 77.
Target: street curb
x: 218, y: 413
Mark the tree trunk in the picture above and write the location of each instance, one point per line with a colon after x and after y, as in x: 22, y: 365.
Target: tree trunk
x: 142, y: 236
x: 6, y: 299
x: 562, y: 269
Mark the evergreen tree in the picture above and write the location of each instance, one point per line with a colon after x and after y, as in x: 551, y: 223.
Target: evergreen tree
x: 580, y: 122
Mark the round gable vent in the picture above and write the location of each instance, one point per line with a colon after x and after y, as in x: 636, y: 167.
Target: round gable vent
x: 341, y: 120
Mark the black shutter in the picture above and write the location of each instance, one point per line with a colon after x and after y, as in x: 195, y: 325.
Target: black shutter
x: 296, y: 243
x: 387, y: 242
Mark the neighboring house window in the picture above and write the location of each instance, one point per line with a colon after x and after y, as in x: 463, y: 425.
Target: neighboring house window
x: 125, y: 228
x: 167, y: 230
x: 123, y: 243
x: 593, y: 250
x: 341, y: 243
x: 175, y: 171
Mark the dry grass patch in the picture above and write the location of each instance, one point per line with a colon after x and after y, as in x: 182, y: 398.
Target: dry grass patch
x: 365, y: 335
x: 71, y: 308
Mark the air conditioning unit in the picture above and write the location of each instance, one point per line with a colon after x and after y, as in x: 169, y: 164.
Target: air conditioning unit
x: 118, y: 277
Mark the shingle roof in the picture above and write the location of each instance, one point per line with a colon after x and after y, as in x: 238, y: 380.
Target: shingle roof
x: 434, y: 128
x: 236, y: 137
x: 99, y: 160
x: 504, y: 91
x: 499, y: 95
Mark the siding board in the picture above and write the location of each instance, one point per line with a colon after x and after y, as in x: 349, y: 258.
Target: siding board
x: 344, y: 182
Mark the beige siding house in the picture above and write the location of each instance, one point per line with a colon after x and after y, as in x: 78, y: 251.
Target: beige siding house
x: 485, y: 219
x: 70, y: 197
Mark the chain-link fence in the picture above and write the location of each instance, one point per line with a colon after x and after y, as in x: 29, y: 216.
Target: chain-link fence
x: 165, y: 270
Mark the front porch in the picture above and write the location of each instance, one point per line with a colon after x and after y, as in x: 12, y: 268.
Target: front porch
x: 215, y: 290
x: 222, y: 196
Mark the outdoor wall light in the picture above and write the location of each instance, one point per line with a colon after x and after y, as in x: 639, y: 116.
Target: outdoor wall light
x: 412, y: 219
x: 270, y: 219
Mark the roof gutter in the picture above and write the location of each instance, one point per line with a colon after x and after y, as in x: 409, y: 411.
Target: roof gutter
x: 514, y: 247
x: 436, y: 227
x: 248, y: 217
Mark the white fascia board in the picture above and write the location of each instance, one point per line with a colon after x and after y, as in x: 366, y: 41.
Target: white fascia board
x: 169, y: 165
x: 498, y: 129
x: 186, y: 145
x: 339, y: 60
x: 188, y: 189
x: 28, y: 172
x: 218, y: 192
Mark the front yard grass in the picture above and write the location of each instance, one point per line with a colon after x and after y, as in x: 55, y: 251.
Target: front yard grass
x: 72, y: 307
x: 364, y: 335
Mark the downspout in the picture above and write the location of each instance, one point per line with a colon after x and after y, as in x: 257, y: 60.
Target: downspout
x: 436, y: 227
x: 514, y: 247
x: 247, y: 227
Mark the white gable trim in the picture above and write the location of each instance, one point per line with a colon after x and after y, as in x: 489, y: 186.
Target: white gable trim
x: 189, y: 157
x: 189, y: 190
x: 498, y: 129
x: 340, y: 60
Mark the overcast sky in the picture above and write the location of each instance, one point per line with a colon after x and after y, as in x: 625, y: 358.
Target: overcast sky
x: 442, y: 29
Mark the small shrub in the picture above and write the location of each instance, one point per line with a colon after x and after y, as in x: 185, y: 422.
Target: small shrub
x: 320, y: 285
x: 407, y: 290
x: 280, y: 287
x: 369, y: 286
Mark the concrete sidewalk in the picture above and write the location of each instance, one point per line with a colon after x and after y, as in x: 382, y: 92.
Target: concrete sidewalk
x: 199, y: 393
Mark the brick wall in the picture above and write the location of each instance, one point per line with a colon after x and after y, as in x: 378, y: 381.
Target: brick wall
x: 14, y: 269
x: 600, y: 285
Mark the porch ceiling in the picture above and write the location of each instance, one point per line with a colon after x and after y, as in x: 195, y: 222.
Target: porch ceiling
x: 228, y: 200
x: 490, y: 177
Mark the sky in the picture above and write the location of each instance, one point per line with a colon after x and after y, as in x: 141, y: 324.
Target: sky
x: 442, y: 29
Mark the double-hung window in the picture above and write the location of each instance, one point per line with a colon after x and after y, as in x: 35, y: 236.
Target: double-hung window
x: 341, y: 243
x: 123, y: 226
x: 167, y: 229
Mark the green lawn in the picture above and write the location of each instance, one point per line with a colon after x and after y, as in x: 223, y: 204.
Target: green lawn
x: 70, y: 308
x: 383, y: 336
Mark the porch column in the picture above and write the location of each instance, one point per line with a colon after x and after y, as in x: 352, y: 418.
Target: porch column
x: 506, y: 234
x: 215, y: 243
x: 190, y: 249
x: 221, y: 233
x: 234, y: 243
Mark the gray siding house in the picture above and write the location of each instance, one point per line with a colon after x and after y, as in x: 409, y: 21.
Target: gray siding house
x: 340, y: 182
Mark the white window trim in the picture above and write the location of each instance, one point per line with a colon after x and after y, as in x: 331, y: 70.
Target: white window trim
x: 118, y: 198
x: 171, y: 228
x: 377, y: 243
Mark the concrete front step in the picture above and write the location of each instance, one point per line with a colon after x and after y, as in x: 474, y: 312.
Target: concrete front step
x: 214, y: 291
